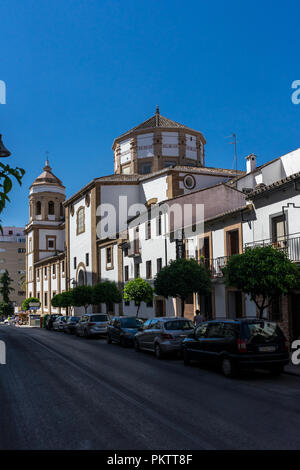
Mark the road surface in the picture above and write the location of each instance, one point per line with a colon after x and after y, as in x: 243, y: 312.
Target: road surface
x: 62, y: 392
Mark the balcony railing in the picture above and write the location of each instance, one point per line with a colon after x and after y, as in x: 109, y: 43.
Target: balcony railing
x: 215, y: 265
x: 289, y: 244
x: 134, y: 248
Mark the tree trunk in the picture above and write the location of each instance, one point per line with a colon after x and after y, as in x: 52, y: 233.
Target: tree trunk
x: 137, y: 312
x: 182, y: 306
x: 261, y: 311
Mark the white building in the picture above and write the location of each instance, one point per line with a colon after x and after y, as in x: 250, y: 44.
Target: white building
x: 160, y: 162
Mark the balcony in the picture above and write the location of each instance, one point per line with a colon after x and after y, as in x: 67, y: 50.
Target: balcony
x: 289, y: 244
x: 134, y: 249
x: 215, y: 265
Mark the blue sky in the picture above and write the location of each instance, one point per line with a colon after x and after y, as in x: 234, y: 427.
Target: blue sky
x: 79, y: 73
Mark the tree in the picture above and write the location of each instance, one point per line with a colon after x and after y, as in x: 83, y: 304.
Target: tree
x: 6, y: 309
x: 26, y: 302
x: 6, y: 175
x: 182, y: 278
x: 6, y: 306
x: 82, y: 296
x: 5, y: 286
x: 263, y: 273
x: 64, y: 300
x: 139, y: 291
x: 106, y: 292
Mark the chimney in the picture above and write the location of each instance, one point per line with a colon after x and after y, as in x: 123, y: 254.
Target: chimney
x: 251, y: 162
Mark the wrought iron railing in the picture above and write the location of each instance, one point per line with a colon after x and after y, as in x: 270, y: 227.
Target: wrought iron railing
x: 289, y: 244
x: 215, y: 265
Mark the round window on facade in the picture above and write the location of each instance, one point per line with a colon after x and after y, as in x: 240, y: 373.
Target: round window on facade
x: 189, y: 182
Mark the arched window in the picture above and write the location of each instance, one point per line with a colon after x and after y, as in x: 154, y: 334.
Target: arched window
x: 61, y: 210
x: 81, y: 278
x: 80, y: 220
x: 50, y: 208
x: 38, y: 208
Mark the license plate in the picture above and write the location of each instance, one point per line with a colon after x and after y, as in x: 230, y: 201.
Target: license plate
x: 267, y: 348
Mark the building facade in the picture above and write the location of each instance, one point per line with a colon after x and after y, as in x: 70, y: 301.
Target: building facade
x: 12, y: 258
x: 107, y: 231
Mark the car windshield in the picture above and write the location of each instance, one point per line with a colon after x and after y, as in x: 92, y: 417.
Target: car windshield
x: 131, y: 323
x: 179, y: 325
x: 74, y: 319
x: 263, y: 332
x: 98, y: 318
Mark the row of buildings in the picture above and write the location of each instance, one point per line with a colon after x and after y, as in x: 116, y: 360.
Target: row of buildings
x: 122, y: 226
x: 12, y: 259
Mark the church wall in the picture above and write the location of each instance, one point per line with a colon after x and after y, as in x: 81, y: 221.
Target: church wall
x: 80, y: 244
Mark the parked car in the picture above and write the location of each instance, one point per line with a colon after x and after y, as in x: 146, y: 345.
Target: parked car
x: 163, y: 335
x: 123, y: 329
x: 70, y: 325
x: 92, y: 324
x: 50, y: 320
x: 58, y: 324
x: 238, y: 344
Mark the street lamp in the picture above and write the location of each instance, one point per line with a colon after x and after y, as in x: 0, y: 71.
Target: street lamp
x: 3, y: 150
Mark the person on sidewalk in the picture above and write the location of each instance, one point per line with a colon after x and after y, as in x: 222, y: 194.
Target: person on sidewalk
x: 198, y: 318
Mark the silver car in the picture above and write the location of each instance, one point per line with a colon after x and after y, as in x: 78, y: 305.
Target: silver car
x: 58, y: 324
x: 92, y: 324
x: 163, y: 335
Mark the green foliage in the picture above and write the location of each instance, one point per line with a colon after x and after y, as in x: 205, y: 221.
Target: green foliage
x: 5, y: 289
x: 7, y: 174
x: 181, y: 278
x: 44, y: 320
x: 6, y: 309
x: 106, y: 292
x: 26, y: 302
x: 262, y: 273
x: 139, y: 291
x: 82, y: 296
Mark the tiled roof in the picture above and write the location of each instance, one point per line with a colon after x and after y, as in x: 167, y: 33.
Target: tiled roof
x: 157, y: 121
x: 263, y: 188
x: 47, y: 177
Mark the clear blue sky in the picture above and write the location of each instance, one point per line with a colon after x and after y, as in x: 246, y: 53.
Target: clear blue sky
x: 79, y: 73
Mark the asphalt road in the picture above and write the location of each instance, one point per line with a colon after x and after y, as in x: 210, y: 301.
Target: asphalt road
x: 62, y: 392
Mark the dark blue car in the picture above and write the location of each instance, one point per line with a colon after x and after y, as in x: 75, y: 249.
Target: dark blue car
x: 122, y: 330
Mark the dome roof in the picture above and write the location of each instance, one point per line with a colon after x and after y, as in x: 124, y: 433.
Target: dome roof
x: 47, y: 177
x: 156, y: 121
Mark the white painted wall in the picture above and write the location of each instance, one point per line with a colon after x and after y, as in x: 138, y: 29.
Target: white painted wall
x: 191, y: 147
x: 125, y: 152
x: 156, y: 187
x: 80, y: 244
x: 145, y: 145
x: 170, y: 144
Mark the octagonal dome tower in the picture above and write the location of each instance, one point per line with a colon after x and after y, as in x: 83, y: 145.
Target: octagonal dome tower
x: 157, y: 143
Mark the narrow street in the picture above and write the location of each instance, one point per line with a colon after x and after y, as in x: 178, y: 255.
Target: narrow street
x: 62, y: 392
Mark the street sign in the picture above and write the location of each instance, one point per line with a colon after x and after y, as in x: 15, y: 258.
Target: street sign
x: 34, y: 308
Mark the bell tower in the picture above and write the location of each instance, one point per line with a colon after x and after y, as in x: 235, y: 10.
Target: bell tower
x: 45, y: 231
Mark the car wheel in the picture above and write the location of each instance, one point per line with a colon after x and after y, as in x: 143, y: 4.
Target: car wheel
x: 229, y: 369
x: 158, y: 352
x: 108, y: 339
x: 186, y: 358
x: 276, y: 371
x: 136, y: 345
